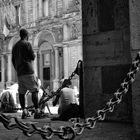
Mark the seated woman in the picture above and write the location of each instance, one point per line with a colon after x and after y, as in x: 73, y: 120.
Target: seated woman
x: 68, y: 105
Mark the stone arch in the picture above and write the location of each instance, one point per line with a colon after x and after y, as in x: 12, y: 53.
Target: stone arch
x: 12, y: 41
x: 43, y: 43
x: 44, y: 36
x: 11, y: 74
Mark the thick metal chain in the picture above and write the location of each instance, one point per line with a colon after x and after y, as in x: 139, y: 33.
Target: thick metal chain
x: 78, y: 124
x: 90, y: 122
x: 48, y: 97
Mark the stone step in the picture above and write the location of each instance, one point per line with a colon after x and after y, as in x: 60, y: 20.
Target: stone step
x: 102, y: 130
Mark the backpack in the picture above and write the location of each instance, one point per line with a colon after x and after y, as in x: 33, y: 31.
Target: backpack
x: 7, y: 103
x: 73, y: 111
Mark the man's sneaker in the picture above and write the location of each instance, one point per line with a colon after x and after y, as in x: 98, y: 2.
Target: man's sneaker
x: 40, y: 115
x: 25, y: 115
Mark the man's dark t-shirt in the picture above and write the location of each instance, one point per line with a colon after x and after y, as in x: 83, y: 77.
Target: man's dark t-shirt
x: 22, y: 57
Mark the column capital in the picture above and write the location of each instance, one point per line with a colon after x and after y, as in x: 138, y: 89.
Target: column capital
x: 57, y: 45
x: 35, y: 50
x: 9, y: 53
x: 56, y: 48
x: 2, y: 54
x: 65, y: 45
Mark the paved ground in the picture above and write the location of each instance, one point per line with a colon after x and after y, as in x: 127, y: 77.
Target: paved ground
x: 102, y: 131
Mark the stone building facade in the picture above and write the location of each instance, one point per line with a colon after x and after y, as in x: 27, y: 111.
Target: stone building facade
x: 55, y: 34
x: 110, y: 36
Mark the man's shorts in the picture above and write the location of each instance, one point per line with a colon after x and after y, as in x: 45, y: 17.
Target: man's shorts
x: 27, y: 82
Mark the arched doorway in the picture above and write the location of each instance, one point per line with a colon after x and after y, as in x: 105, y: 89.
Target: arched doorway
x: 43, y: 43
x: 46, y: 64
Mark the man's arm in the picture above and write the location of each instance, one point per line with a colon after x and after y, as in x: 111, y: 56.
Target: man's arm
x: 56, y: 99
x: 31, y: 54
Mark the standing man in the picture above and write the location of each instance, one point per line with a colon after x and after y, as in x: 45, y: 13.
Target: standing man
x: 22, y: 59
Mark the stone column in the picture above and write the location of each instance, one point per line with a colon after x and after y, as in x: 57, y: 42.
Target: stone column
x: 9, y: 70
x: 54, y: 10
x: 56, y: 64
x: 66, y: 61
x: 65, y: 50
x: 35, y: 64
x: 66, y: 32
x: 40, y: 8
x: 2, y: 68
x: 65, y: 5
x: 56, y: 80
x: 26, y: 9
x: 34, y: 10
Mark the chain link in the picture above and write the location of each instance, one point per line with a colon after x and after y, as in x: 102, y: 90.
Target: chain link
x: 48, y: 97
x: 78, y: 124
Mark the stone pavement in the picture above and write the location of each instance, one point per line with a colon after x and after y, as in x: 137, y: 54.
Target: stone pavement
x: 102, y: 130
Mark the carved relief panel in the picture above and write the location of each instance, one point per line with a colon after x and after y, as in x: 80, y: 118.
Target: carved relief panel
x: 58, y: 33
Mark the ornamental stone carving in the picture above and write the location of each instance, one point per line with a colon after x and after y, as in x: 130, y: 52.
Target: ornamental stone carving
x: 58, y: 32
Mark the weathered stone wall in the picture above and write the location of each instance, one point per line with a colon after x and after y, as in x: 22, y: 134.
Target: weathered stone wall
x: 107, y: 59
